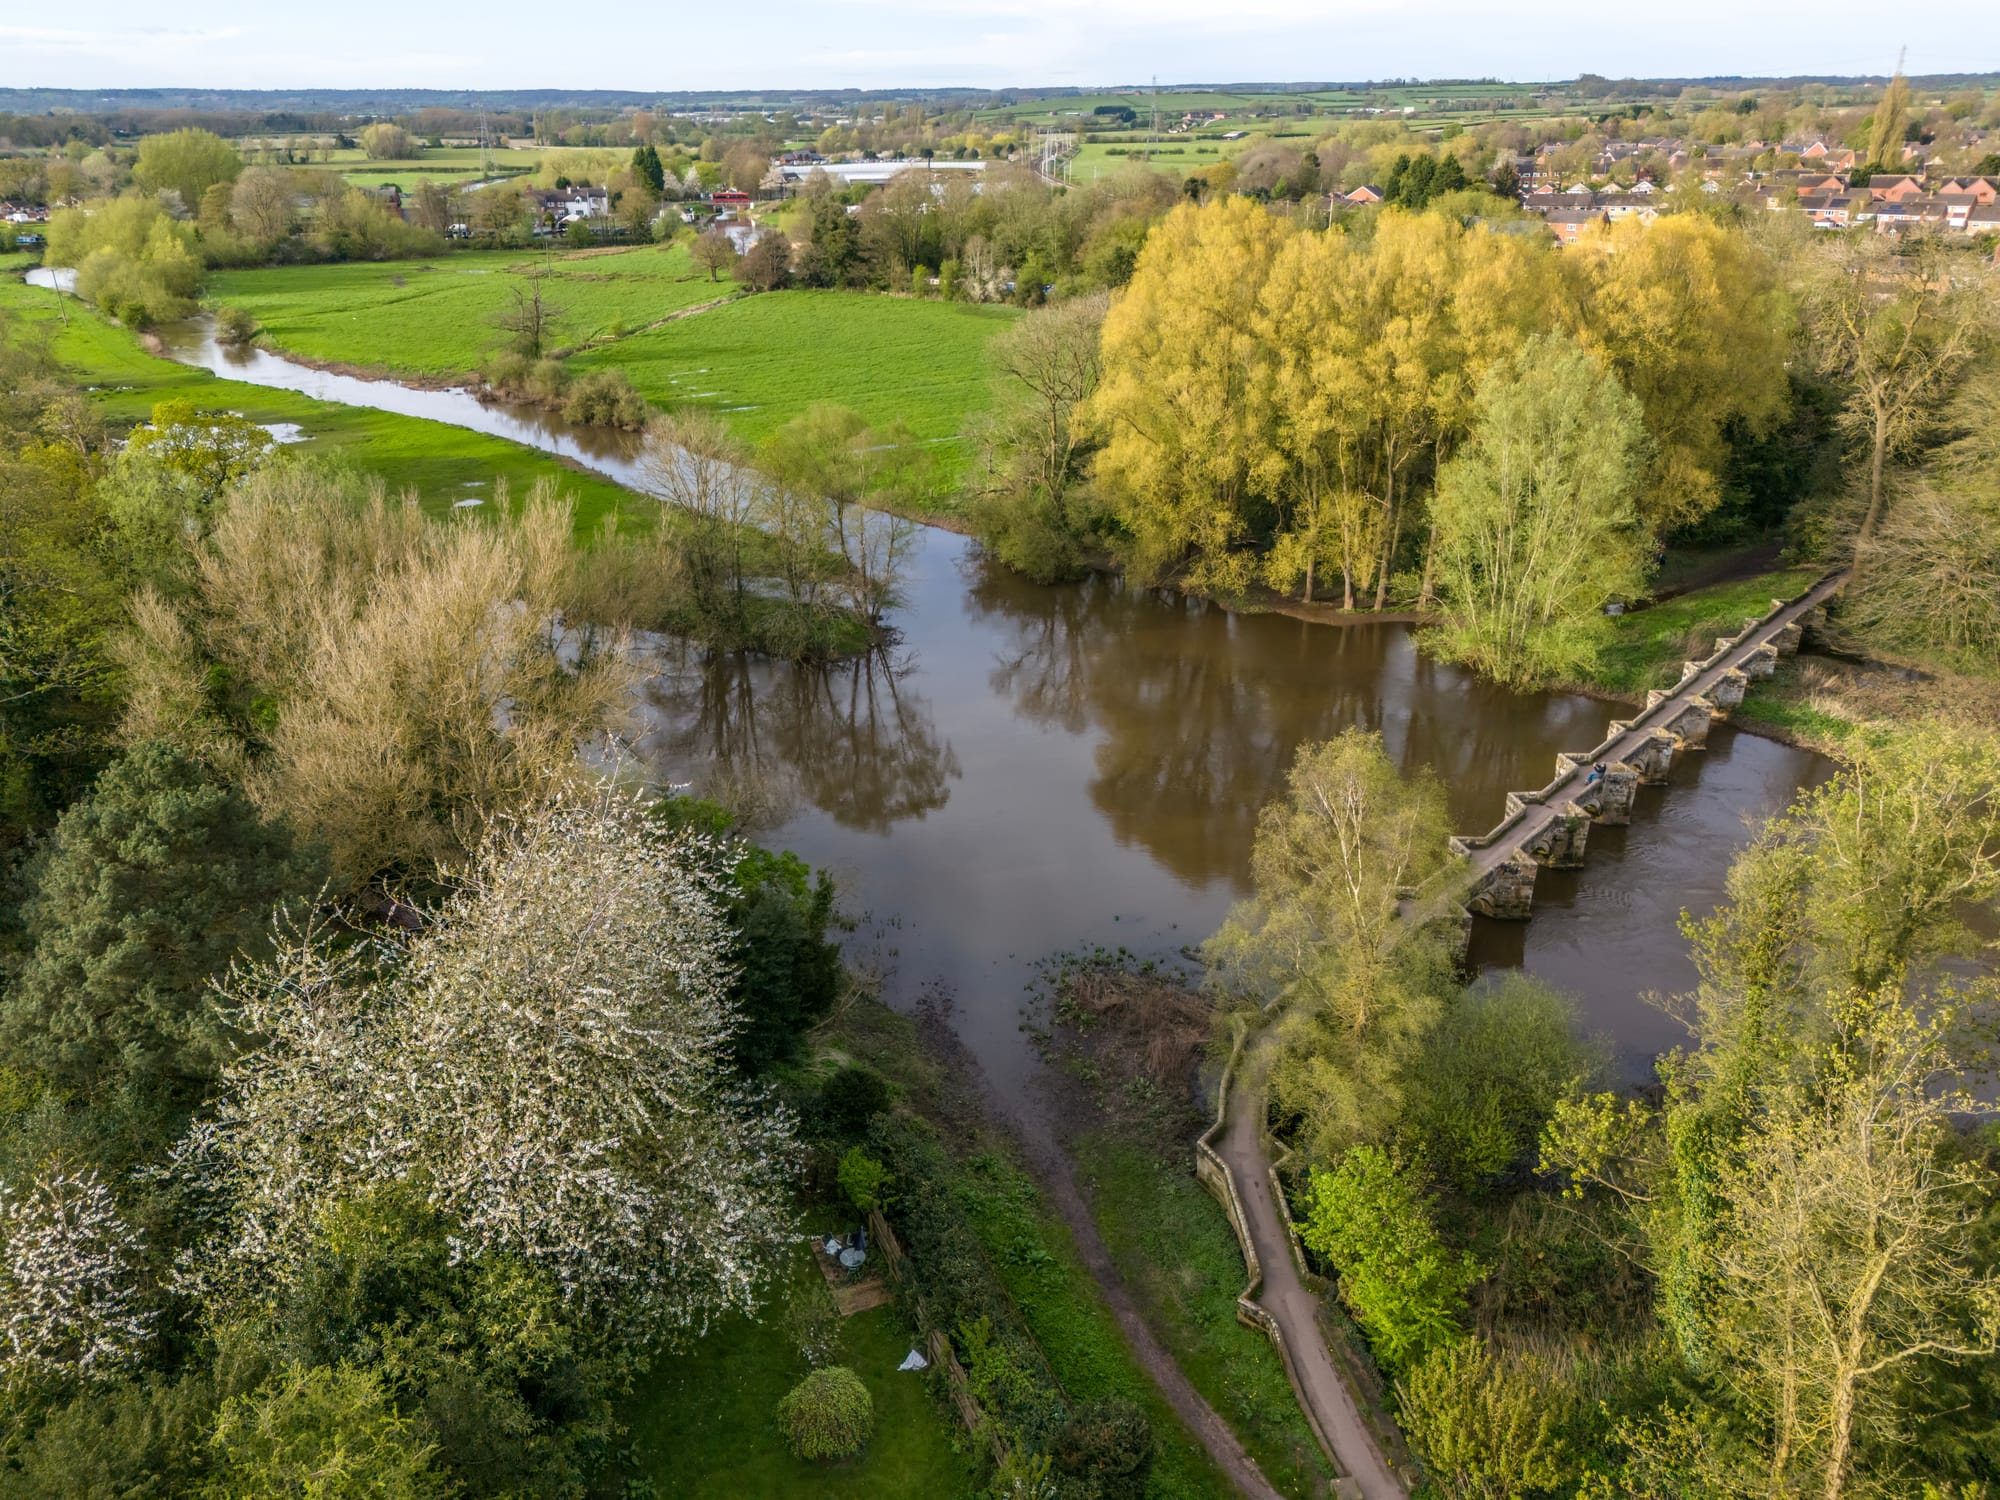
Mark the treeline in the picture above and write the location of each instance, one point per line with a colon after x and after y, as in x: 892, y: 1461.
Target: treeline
x: 1427, y: 411
x: 1772, y: 1273
x: 1008, y: 237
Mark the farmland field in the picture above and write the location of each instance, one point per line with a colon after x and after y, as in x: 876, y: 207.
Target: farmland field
x: 760, y: 361
x: 436, y: 317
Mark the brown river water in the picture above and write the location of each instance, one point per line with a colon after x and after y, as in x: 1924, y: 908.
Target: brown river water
x: 1031, y: 770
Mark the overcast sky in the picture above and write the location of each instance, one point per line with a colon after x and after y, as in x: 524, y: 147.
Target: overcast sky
x: 684, y: 44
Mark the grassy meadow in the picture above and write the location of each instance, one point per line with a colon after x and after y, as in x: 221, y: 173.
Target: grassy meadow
x: 756, y: 362
x: 760, y: 361
x: 442, y: 463
x: 437, y: 317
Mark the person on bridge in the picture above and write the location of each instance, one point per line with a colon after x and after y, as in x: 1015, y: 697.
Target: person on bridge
x: 1596, y: 775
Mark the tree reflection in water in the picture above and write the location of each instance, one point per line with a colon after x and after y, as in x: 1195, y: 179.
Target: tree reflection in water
x: 1201, y: 711
x: 849, y: 738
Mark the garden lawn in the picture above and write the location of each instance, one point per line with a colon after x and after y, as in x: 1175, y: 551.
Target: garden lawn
x: 438, y: 317
x: 442, y: 463
x: 763, y: 360
x: 704, y: 1422
x: 1647, y: 648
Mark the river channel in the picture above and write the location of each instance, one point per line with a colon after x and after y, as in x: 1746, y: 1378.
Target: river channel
x: 1034, y: 770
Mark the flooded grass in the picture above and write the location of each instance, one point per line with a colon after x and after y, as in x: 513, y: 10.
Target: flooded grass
x: 438, y: 460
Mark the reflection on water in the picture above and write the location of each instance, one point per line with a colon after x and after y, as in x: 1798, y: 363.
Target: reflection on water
x: 1039, y: 769
x: 1034, y: 770
x: 853, y: 739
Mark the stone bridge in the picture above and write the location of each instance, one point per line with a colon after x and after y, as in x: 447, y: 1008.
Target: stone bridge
x: 1551, y: 826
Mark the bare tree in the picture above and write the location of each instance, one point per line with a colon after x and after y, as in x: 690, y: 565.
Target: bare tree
x: 1053, y: 355
x: 263, y: 204
x: 532, y: 318
x: 690, y: 461
x: 767, y: 265
x: 1896, y: 330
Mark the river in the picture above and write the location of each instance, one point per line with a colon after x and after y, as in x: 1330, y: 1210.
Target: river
x: 1035, y: 770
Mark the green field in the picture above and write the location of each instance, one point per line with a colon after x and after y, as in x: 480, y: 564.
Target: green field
x: 436, y: 317
x: 756, y: 361
x: 703, y: 1423
x: 442, y: 463
x: 761, y: 361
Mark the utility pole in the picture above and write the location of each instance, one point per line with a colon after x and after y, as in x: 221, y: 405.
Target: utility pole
x: 1153, y: 130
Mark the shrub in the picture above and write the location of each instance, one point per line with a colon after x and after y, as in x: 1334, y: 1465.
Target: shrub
x: 506, y: 371
x: 1106, y: 1450
x: 813, y: 1324
x: 546, y: 381
x: 605, y: 398
x: 827, y: 1415
x: 234, y: 326
x: 851, y: 1098
x: 865, y: 1180
x: 1405, y: 1287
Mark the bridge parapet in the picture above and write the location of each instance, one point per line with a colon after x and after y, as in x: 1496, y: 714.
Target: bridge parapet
x: 1608, y: 799
x: 1689, y: 723
x: 1728, y: 691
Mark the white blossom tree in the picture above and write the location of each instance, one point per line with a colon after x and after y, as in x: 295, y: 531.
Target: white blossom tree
x: 70, y: 1306
x: 547, y: 1062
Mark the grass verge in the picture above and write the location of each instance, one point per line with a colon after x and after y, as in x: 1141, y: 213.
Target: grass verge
x: 1126, y: 1044
x: 1646, y: 649
x: 1029, y: 1247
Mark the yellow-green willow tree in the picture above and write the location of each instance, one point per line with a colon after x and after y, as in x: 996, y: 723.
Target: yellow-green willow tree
x: 1535, y: 518
x: 1689, y: 316
x: 1176, y: 409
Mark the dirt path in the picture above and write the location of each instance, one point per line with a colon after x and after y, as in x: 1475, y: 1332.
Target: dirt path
x: 1284, y: 1295
x: 1054, y: 1171
x: 1027, y: 1122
